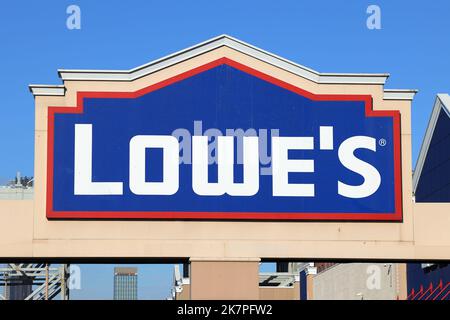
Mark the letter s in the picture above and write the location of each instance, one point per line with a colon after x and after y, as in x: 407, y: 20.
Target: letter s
x: 372, y: 178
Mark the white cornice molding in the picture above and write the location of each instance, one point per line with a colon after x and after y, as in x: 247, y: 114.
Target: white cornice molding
x: 442, y: 102
x: 47, y: 90
x: 399, y: 94
x: 214, y: 43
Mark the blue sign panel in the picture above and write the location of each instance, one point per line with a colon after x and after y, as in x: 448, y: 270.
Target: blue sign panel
x: 224, y: 142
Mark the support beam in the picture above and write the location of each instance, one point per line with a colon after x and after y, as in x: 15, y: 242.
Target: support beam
x: 224, y: 279
x: 402, y: 281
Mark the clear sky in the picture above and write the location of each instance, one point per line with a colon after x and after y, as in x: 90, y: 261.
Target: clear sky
x: 97, y: 281
x: 154, y: 281
x: 413, y: 45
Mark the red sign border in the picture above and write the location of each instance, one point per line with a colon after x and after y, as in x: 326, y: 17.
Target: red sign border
x: 396, y: 216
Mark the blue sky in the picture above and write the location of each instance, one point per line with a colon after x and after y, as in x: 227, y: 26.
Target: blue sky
x: 97, y: 281
x: 154, y: 281
x: 329, y: 36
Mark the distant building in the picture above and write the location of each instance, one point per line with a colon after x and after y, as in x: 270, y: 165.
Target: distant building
x: 431, y: 281
x: 280, y: 285
x: 355, y: 281
x: 432, y: 173
x: 20, y: 188
x: 428, y: 281
x: 11, y: 193
x: 125, y: 283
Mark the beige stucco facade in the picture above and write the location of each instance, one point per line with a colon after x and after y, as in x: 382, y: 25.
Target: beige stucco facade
x: 265, y: 293
x: 26, y: 232
x: 232, y: 280
x: 237, y: 279
x: 276, y: 293
x: 361, y: 281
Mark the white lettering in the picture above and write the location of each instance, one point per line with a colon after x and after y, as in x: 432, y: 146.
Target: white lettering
x: 83, y: 184
x: 281, y: 166
x: 372, y: 178
x: 170, y: 183
x: 225, y: 184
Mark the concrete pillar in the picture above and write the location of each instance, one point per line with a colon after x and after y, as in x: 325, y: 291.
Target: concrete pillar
x: 402, y: 281
x: 310, y: 273
x: 230, y: 279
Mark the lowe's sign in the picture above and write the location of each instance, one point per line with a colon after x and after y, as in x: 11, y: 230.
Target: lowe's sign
x: 223, y: 141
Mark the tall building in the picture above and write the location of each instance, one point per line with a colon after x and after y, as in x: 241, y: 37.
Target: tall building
x: 125, y: 283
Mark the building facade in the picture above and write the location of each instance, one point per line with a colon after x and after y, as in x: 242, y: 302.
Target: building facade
x: 125, y: 284
x: 109, y: 213
x: 428, y: 281
x: 359, y: 281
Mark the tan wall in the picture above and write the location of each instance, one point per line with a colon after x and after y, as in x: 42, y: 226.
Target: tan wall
x: 265, y: 293
x: 224, y: 280
x: 16, y: 228
x: 402, y: 281
x: 185, y: 294
x: 279, y: 293
x: 310, y: 287
x: 432, y: 230
x: 415, y: 238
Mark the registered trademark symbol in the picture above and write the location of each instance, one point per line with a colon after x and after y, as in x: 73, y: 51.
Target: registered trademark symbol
x: 382, y: 142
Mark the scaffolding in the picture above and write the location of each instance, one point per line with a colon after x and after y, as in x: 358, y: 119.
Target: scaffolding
x: 34, y: 281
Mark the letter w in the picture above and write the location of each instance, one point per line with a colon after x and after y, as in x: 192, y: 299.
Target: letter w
x: 225, y: 151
